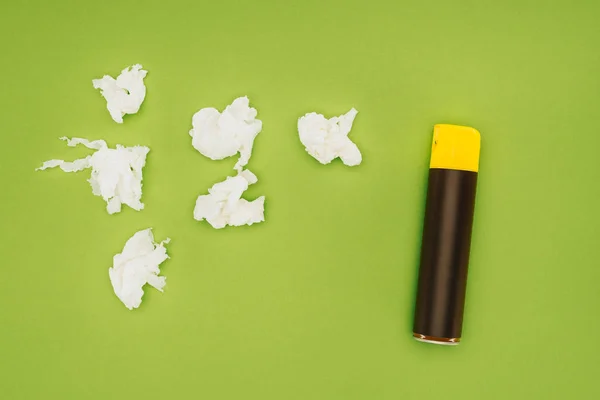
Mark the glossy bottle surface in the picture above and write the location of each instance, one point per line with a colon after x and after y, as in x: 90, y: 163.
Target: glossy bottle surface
x: 445, y: 255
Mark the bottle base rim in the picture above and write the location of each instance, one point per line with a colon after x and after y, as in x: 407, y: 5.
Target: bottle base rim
x: 436, y: 340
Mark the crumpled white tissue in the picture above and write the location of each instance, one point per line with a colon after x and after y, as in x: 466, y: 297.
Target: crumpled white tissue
x: 224, y: 206
x: 125, y: 94
x: 220, y: 135
x: 326, y: 139
x: 116, y: 173
x: 136, y: 266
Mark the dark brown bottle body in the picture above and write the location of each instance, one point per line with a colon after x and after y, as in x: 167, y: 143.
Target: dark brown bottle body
x: 445, y: 256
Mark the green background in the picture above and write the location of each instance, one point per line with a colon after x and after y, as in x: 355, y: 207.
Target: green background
x: 317, y: 302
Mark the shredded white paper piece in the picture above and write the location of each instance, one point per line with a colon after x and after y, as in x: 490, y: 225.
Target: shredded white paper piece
x: 224, y: 206
x: 137, y: 265
x: 326, y: 139
x: 125, y: 94
x: 220, y: 135
x: 116, y: 173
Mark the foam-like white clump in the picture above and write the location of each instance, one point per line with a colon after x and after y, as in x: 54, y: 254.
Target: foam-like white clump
x: 326, y: 139
x: 224, y: 206
x: 137, y: 265
x: 116, y: 173
x: 125, y: 94
x: 220, y: 135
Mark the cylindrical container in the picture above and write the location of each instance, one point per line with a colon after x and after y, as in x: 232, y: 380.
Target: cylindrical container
x: 447, y: 234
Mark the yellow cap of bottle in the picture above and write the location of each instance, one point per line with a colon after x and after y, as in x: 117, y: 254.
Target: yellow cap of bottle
x: 455, y: 147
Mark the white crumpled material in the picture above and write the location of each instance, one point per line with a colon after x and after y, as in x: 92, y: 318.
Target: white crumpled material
x: 137, y: 265
x: 116, y: 173
x: 224, y: 206
x: 125, y: 94
x: 220, y: 135
x: 326, y: 139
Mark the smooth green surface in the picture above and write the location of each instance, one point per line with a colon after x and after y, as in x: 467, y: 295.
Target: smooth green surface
x: 315, y: 303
